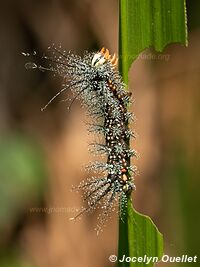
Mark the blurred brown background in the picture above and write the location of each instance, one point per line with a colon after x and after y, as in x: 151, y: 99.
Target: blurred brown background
x: 41, y: 153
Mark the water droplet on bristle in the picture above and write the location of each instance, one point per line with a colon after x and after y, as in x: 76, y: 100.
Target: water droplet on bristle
x: 25, y: 54
x: 30, y: 65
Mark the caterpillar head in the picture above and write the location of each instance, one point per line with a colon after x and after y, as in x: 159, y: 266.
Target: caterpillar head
x: 103, y: 56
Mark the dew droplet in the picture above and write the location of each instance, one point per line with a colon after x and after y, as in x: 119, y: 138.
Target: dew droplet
x: 30, y: 65
x: 25, y: 54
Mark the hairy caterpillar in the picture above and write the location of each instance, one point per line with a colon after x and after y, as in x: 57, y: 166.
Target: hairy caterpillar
x: 95, y: 80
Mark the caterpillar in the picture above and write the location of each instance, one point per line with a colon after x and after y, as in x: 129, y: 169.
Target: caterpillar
x: 95, y: 80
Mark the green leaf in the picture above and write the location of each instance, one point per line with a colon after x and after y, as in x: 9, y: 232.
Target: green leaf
x: 138, y: 237
x: 149, y: 23
x: 144, y: 24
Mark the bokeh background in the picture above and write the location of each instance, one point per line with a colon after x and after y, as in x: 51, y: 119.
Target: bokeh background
x: 41, y: 153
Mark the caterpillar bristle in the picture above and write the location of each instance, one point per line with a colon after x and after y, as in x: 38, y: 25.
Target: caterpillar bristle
x: 107, y: 54
x: 102, y: 50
